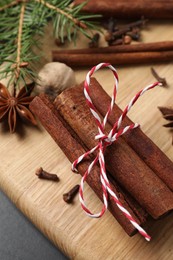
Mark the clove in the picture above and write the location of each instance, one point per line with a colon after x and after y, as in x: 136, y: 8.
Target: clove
x: 69, y: 196
x: 46, y: 175
x: 116, y: 42
x: 112, y: 25
x: 132, y: 29
x: 134, y: 36
x: 158, y: 78
x: 111, y: 28
x: 126, y: 29
x: 140, y: 22
x: 127, y: 39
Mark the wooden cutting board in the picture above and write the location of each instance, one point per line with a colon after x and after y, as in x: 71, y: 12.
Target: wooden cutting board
x: 77, y: 235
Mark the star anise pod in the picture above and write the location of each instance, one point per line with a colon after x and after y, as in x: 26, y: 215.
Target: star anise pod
x: 13, y: 105
x: 168, y: 115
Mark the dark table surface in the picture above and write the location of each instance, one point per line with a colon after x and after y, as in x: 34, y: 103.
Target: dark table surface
x: 19, y: 239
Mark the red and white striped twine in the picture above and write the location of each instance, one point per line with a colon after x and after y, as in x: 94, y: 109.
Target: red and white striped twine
x: 105, y: 140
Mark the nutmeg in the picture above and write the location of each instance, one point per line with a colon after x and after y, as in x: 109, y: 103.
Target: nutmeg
x: 54, y: 77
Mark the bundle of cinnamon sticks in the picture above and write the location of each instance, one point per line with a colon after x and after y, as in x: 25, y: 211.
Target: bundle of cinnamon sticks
x: 159, y: 9
x: 119, y: 55
x: 140, y: 174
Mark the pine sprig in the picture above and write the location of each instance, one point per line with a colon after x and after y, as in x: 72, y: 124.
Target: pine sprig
x: 22, y: 25
x: 7, y: 5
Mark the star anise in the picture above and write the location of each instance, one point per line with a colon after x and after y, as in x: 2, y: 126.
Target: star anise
x: 15, y: 106
x: 168, y: 115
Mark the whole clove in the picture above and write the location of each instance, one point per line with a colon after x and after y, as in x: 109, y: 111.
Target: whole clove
x: 111, y: 28
x: 131, y: 29
x: 46, y: 175
x: 127, y: 39
x: 112, y: 25
x: 156, y: 76
x: 134, y: 36
x: 116, y: 42
x: 69, y: 196
x: 109, y: 37
x: 128, y: 28
x: 138, y: 23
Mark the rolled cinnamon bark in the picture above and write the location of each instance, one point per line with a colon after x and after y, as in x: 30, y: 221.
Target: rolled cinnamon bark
x: 121, y: 161
x: 72, y: 146
x: 140, y: 213
x: 129, y: 9
x: 138, y: 47
x: 78, y: 60
x: 136, y: 139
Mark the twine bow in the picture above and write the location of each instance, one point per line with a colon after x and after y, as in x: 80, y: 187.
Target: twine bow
x: 105, y: 140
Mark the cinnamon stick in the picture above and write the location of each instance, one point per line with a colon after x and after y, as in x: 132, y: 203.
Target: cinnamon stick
x: 122, y: 162
x: 138, y: 47
x: 71, y: 145
x: 134, y: 205
x: 140, y: 143
x: 159, y: 9
x: 79, y: 60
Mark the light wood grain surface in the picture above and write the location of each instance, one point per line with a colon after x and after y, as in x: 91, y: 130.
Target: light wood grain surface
x: 77, y: 235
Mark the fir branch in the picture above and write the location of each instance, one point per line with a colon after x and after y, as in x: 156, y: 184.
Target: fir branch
x: 18, y: 37
x: 8, y: 5
x: 62, y: 12
x: 22, y: 25
x: 22, y: 11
